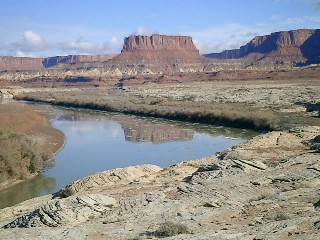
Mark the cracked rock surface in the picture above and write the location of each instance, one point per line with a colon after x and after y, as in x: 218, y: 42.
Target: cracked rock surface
x: 267, y: 188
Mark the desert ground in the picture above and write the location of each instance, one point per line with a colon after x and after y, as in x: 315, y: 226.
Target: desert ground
x: 266, y: 188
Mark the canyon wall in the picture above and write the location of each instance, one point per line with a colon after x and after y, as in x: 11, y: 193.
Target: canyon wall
x: 164, y: 56
x: 288, y: 48
x: 29, y: 63
x: 20, y: 63
x: 75, y: 59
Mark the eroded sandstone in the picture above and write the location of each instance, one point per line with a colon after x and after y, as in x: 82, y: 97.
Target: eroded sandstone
x: 224, y: 199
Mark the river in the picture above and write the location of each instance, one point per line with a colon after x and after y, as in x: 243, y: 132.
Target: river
x: 98, y: 141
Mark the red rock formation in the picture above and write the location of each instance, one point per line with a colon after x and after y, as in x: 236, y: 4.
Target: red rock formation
x: 158, y: 42
x: 159, y: 54
x: 20, y: 63
x: 290, y: 47
x: 28, y: 63
x: 75, y: 59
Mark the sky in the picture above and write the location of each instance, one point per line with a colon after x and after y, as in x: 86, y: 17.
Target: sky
x: 38, y: 28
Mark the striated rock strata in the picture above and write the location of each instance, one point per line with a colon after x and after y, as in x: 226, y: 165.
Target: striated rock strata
x: 20, y: 63
x: 74, y: 59
x: 288, y: 48
x: 158, y: 54
x: 235, y: 197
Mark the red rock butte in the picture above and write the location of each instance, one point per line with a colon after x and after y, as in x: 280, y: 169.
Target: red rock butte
x: 158, y: 42
x: 160, y: 47
x: 161, y: 53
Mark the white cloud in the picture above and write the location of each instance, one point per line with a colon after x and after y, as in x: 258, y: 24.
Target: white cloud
x: 144, y: 31
x: 32, y: 38
x: 30, y: 41
x: 33, y: 43
x: 22, y: 54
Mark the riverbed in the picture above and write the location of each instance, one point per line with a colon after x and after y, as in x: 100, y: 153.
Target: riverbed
x: 96, y: 141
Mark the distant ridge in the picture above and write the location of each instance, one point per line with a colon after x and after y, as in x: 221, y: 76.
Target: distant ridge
x: 289, y: 48
x: 159, y: 54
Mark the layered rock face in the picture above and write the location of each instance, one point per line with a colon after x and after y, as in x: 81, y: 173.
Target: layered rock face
x: 297, y: 47
x: 75, y: 59
x: 20, y: 63
x: 158, y: 54
x: 159, y: 42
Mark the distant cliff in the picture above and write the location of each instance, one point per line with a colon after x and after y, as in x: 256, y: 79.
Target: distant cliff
x: 158, y: 42
x: 29, y: 63
x: 74, y: 59
x: 296, y: 47
x: 162, y: 55
x: 20, y: 63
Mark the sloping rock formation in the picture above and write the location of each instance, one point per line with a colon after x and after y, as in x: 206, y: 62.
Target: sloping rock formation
x: 66, y: 211
x: 285, y: 48
x: 109, y: 178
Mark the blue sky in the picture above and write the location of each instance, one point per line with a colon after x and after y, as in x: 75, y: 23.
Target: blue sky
x: 62, y: 27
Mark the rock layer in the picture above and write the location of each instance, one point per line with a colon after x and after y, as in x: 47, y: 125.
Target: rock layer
x: 290, y: 48
x: 66, y: 211
x: 20, y: 63
x: 158, y: 54
x: 215, y: 199
x: 159, y: 42
x: 74, y: 59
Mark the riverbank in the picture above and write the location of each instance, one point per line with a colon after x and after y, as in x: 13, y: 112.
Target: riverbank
x: 267, y: 105
x: 266, y: 188
x: 28, y: 142
x: 231, y: 115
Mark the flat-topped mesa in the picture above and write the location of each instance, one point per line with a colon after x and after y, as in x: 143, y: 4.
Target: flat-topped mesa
x: 158, y: 42
x: 20, y: 63
x: 158, y: 54
x: 75, y: 59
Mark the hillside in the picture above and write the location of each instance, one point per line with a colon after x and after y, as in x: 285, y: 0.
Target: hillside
x: 286, y: 48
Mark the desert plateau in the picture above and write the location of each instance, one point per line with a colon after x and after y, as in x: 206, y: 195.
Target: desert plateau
x: 251, y: 113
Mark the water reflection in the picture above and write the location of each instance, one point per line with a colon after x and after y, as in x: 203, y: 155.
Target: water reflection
x: 37, y: 186
x: 146, y: 131
x: 99, y: 141
x: 155, y: 130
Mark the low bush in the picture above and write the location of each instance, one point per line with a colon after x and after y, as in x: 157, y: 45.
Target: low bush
x: 20, y: 156
x: 169, y: 229
x: 233, y: 115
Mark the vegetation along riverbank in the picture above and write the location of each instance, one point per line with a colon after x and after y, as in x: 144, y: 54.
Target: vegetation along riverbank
x: 27, y: 143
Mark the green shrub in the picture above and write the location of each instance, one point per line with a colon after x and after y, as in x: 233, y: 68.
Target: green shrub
x: 169, y: 229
